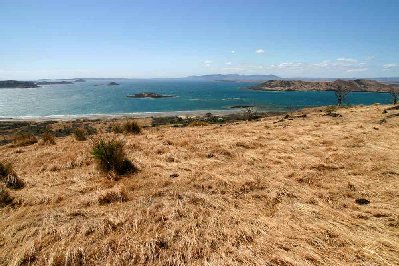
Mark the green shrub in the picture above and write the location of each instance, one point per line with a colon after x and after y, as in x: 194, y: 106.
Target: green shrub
x: 90, y: 130
x: 110, y: 157
x: 24, y: 139
x: 48, y: 138
x: 9, y: 177
x: 80, y: 134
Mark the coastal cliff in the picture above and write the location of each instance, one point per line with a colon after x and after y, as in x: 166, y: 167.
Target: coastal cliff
x: 299, y: 85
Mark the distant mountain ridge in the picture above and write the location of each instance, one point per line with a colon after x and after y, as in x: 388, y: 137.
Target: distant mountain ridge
x: 233, y: 77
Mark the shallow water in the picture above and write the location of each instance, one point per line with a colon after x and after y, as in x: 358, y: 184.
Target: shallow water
x: 96, y: 97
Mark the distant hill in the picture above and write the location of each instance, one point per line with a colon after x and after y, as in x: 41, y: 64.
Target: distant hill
x: 17, y: 84
x: 300, y: 85
x: 233, y: 77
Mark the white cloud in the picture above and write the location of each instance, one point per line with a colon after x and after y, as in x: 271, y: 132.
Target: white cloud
x: 354, y: 70
x: 260, y: 51
x: 346, y: 60
x: 208, y: 62
x: 228, y: 63
x: 390, y: 66
x: 233, y: 52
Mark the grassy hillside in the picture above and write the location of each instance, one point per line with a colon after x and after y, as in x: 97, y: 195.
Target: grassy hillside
x: 280, y: 191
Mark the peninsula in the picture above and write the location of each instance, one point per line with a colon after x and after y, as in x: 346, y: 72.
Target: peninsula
x: 17, y: 84
x: 361, y: 85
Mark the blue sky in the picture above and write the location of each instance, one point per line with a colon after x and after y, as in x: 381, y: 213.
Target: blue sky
x: 175, y: 38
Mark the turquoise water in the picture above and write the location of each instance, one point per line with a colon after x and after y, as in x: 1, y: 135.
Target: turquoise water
x: 95, y: 97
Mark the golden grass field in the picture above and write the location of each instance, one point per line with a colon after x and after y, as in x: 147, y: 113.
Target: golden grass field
x: 270, y: 192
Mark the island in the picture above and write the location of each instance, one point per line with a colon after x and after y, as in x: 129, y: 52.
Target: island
x: 241, y: 106
x: 54, y: 82
x: 149, y: 95
x: 17, y: 84
x: 80, y: 80
x: 113, y: 84
x: 358, y: 85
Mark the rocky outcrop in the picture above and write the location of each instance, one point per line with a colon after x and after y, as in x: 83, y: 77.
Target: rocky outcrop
x: 17, y: 84
x: 113, y: 84
x: 299, y: 85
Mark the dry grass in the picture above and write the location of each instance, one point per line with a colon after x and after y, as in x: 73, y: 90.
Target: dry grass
x: 24, y: 139
x: 251, y: 193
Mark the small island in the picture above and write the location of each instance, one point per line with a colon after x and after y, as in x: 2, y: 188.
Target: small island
x: 149, y: 95
x: 113, y: 84
x: 17, y: 84
x: 80, y: 80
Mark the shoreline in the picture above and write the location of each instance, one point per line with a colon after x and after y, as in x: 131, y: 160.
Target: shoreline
x: 118, y: 115
x: 140, y: 115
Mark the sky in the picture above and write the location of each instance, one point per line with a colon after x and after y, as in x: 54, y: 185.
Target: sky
x: 177, y: 38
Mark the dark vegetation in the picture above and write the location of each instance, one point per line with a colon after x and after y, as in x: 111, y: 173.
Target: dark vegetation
x: 5, y: 198
x: 110, y: 157
x: 41, y: 129
x: 209, y: 118
x: 9, y: 178
x: 128, y: 127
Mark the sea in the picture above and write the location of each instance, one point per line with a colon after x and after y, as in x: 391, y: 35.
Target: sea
x: 97, y: 98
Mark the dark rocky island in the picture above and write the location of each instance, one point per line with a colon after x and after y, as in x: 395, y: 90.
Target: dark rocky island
x: 17, y: 84
x: 361, y: 85
x: 54, y: 82
x: 113, y: 84
x: 80, y: 80
x: 149, y: 95
x: 241, y: 106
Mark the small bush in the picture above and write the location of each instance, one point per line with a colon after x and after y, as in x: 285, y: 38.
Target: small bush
x: 132, y: 127
x: 48, y: 138
x: 5, y: 197
x: 128, y: 127
x: 9, y: 177
x: 110, y: 157
x: 80, y: 134
x: 90, y: 130
x: 24, y: 139
x: 117, y: 129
